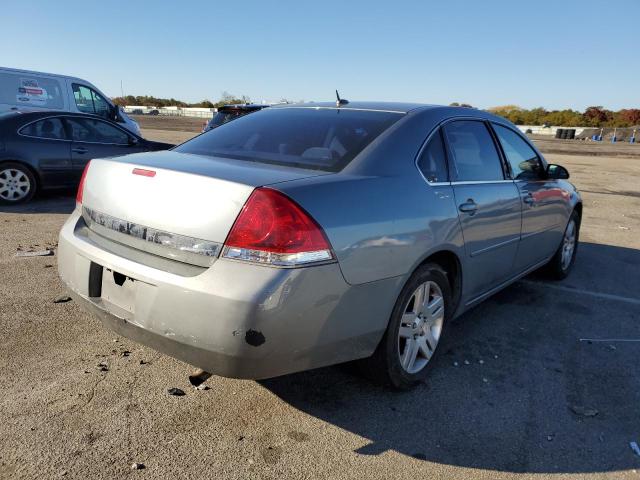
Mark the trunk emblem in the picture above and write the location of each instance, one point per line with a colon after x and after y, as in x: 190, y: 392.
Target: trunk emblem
x: 143, y: 172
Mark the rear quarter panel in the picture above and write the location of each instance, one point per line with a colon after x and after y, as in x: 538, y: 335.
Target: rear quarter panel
x: 380, y: 227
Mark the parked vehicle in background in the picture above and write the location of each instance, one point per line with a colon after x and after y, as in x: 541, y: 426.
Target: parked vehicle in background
x: 42, y: 150
x: 308, y: 235
x: 231, y: 112
x: 154, y: 112
x: 27, y: 91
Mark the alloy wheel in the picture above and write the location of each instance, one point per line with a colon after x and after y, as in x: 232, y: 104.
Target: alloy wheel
x: 14, y: 185
x: 421, y: 327
x: 568, y: 244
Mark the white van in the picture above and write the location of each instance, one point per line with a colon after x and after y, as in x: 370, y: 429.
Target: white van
x: 28, y: 91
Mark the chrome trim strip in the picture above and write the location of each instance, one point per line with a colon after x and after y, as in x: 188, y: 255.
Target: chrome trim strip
x: 177, y: 247
x: 480, y: 182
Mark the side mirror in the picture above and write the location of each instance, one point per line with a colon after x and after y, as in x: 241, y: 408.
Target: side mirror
x: 557, y: 172
x: 133, y: 141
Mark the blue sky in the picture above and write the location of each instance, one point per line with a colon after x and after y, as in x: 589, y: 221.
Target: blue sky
x: 568, y: 54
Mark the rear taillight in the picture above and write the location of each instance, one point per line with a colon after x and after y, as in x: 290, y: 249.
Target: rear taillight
x: 81, y: 185
x: 272, y: 229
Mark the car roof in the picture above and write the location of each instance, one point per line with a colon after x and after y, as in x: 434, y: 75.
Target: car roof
x: 242, y: 106
x: 399, y: 107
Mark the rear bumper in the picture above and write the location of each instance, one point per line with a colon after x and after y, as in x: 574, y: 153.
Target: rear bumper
x: 235, y: 319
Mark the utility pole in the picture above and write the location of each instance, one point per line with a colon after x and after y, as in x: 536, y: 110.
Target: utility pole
x: 121, y: 89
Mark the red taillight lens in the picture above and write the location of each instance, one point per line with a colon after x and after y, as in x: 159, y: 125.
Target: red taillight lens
x: 272, y: 228
x: 81, y: 185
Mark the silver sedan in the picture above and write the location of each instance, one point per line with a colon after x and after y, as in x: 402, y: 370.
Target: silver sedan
x: 307, y: 235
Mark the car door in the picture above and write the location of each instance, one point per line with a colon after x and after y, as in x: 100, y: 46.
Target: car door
x: 95, y: 138
x: 488, y: 206
x: 543, y: 200
x: 46, y: 144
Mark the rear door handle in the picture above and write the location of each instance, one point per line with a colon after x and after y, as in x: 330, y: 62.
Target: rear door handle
x: 469, y: 206
x: 79, y: 150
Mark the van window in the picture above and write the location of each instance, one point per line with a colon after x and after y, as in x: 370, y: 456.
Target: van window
x: 48, y: 128
x: 90, y: 101
x: 24, y: 90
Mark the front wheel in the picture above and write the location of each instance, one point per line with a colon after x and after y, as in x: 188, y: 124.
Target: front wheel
x: 17, y: 183
x: 562, y: 262
x: 414, y: 331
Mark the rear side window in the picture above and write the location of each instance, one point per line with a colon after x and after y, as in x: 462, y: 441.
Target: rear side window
x: 315, y: 138
x: 96, y: 131
x: 50, y: 128
x: 24, y: 90
x: 524, y: 161
x: 475, y: 157
x: 432, y: 162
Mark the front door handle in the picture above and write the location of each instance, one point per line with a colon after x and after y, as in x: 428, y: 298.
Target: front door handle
x: 527, y: 198
x: 79, y: 150
x: 469, y: 206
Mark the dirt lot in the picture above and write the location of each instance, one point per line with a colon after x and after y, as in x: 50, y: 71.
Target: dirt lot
x: 539, y: 381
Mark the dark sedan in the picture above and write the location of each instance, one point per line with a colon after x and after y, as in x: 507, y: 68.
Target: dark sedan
x: 42, y: 150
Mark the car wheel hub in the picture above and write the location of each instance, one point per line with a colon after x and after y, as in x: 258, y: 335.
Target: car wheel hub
x: 420, y: 327
x: 14, y: 184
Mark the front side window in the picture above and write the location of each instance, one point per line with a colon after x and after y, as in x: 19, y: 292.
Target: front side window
x: 90, y: 101
x: 316, y: 138
x: 50, y: 128
x: 96, y: 131
x: 432, y: 161
x: 475, y: 157
x: 524, y: 161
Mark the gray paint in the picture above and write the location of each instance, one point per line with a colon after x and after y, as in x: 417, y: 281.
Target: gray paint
x: 380, y: 215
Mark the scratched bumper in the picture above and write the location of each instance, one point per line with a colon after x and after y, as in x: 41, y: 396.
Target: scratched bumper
x: 234, y: 319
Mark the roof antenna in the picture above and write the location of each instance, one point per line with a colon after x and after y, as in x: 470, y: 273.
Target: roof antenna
x: 340, y: 101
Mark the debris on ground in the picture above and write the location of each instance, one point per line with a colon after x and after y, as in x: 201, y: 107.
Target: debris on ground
x: 485, y: 380
x: 467, y: 362
x: 202, y: 386
x: 138, y: 466
x: 125, y: 353
x: 481, y: 362
x: 550, y: 437
x: 62, y: 299
x: 176, y: 392
x: 103, y: 367
x: 37, y: 253
x: 584, y: 411
x: 635, y: 448
x: 455, y: 364
x: 143, y: 362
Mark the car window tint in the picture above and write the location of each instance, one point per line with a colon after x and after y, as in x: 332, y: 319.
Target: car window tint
x: 51, y: 128
x: 96, y: 131
x: 315, y: 138
x: 475, y: 157
x: 523, y: 160
x: 432, y: 161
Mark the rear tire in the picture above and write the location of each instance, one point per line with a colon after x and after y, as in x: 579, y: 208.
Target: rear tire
x: 415, y: 329
x: 17, y: 183
x: 562, y: 262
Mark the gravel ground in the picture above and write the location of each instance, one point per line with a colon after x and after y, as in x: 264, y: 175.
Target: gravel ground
x: 516, y: 393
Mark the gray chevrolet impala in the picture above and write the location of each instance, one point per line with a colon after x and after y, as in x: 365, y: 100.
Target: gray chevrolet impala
x: 308, y: 235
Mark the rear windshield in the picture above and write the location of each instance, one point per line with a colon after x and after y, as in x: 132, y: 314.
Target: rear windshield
x: 221, y: 118
x: 315, y: 138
